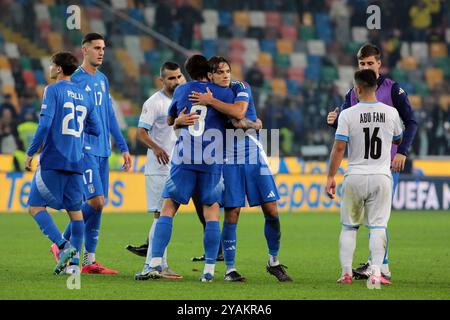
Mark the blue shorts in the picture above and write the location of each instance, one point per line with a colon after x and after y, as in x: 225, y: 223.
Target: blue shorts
x: 56, y: 189
x: 251, y: 180
x: 96, y: 176
x: 183, y: 183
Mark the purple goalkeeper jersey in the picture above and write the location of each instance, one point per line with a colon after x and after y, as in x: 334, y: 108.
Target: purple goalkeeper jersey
x: 390, y: 93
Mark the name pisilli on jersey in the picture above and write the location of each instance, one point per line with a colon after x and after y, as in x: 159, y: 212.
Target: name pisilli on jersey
x: 369, y: 129
x: 69, y: 108
x: 154, y: 119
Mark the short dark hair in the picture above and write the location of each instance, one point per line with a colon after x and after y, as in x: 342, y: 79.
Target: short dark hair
x: 67, y: 61
x: 168, y: 65
x: 368, y: 50
x: 367, y: 79
x: 215, y: 61
x: 91, y: 37
x: 197, y: 67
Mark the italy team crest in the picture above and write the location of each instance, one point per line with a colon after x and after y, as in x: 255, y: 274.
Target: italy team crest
x: 102, y: 84
x: 91, y: 188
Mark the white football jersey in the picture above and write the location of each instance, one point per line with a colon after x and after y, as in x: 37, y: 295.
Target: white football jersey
x: 154, y: 119
x: 369, y: 129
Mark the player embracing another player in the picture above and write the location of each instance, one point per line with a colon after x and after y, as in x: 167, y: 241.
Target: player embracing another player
x: 196, y: 167
x: 246, y: 172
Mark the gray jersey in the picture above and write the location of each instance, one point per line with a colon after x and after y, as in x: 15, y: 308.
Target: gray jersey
x: 154, y: 119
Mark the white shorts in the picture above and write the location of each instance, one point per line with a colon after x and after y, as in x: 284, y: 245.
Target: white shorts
x: 366, y: 199
x: 154, y: 186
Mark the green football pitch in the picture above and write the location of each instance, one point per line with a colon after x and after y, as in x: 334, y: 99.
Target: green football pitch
x: 418, y: 243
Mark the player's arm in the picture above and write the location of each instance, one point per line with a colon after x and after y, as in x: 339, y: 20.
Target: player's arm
x: 93, y: 123
x: 160, y: 154
x: 114, y: 129
x: 45, y: 123
x: 150, y: 112
x: 337, y: 154
x: 236, y: 110
x: 332, y: 117
x: 398, y: 164
x: 403, y: 106
x: 247, y: 124
x: 185, y: 119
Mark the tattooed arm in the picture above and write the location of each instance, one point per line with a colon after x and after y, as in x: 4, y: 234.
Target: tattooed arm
x: 247, y: 124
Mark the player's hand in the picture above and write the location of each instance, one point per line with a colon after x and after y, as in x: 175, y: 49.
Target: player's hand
x: 201, y: 98
x: 126, y: 161
x: 161, y: 155
x: 332, y: 116
x: 238, y: 124
x: 259, y: 123
x: 28, y: 162
x: 185, y: 119
x: 331, y: 187
x: 398, y: 164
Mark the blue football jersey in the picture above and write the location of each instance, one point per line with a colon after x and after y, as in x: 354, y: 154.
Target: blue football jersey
x: 97, y: 88
x: 247, y: 149
x: 69, y: 109
x: 243, y: 92
x: 198, y: 146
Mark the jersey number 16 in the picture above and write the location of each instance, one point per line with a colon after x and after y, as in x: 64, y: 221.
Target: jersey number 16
x: 372, y: 144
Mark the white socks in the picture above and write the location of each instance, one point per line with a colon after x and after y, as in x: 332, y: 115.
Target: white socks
x: 347, y: 245
x: 377, y: 245
x: 88, y: 258
x: 209, y: 268
x: 230, y: 269
x: 154, y: 262
x: 150, y: 241
x: 273, y: 261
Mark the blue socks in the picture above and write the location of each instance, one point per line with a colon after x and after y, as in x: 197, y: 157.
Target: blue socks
x: 48, y: 227
x: 77, y: 228
x: 211, y: 241
x: 161, y: 238
x: 88, y: 213
x: 92, y: 219
x: 229, y: 242
x: 273, y: 234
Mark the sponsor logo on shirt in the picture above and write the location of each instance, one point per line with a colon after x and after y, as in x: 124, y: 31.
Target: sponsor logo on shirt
x: 242, y: 94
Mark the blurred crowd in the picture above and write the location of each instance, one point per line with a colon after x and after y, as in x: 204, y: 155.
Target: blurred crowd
x: 300, y: 117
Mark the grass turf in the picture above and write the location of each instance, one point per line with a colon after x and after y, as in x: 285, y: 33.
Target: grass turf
x: 418, y: 244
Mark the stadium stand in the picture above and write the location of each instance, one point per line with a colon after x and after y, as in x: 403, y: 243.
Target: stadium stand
x: 305, y: 51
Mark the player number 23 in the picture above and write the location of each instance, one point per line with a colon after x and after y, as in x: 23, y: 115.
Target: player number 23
x: 198, y: 128
x: 70, y: 116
